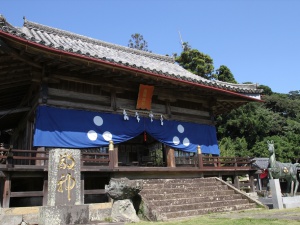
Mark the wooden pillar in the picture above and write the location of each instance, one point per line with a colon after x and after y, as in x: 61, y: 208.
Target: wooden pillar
x: 6, y: 191
x: 200, y: 159
x: 259, y: 183
x: 45, y: 190
x: 116, y: 156
x: 251, y: 180
x: 9, y: 159
x: 82, y: 187
x: 40, y: 162
x: 111, y: 154
x: 237, y: 182
x: 1, y: 190
x: 170, y: 157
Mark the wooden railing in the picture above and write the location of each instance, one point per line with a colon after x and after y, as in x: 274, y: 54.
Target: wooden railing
x: 12, y: 157
x: 214, y: 162
x: 224, y: 162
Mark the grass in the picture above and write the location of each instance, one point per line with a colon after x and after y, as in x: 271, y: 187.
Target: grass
x: 256, y: 217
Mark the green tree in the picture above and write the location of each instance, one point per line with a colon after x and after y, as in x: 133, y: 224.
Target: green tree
x: 283, y: 104
x: 252, y: 122
x: 137, y: 41
x: 224, y: 74
x: 246, y: 130
x: 196, y: 62
x: 294, y: 94
x: 227, y: 147
x: 266, y: 90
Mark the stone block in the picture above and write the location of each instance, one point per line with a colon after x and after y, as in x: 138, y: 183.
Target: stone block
x: 100, y: 211
x: 291, y: 202
x: 276, y: 194
x: 64, y: 186
x: 61, y: 215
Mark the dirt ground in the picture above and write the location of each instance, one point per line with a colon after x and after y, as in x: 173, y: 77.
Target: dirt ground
x: 283, y: 214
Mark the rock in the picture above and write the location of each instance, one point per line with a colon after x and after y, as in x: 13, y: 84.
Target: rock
x: 123, y: 188
x: 123, y: 211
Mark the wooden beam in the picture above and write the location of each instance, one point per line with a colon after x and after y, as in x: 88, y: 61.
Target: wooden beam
x: 26, y: 194
x: 16, y: 55
x: 76, y: 95
x: 77, y: 105
x: 6, y: 192
x: 189, y: 111
x: 13, y: 111
x: 94, y: 192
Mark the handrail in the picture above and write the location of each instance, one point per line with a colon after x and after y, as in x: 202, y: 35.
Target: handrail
x: 13, y: 157
x: 30, y: 157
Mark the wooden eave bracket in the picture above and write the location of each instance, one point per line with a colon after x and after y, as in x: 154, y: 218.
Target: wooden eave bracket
x: 13, y: 111
x: 4, y: 47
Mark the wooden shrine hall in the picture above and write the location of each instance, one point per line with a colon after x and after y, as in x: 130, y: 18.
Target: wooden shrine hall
x: 132, y: 114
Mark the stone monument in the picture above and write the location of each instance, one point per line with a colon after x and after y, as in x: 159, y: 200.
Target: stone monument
x: 279, y: 170
x: 287, y: 171
x: 65, y: 205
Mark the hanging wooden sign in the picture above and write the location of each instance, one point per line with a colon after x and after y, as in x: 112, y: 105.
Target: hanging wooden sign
x: 145, y: 97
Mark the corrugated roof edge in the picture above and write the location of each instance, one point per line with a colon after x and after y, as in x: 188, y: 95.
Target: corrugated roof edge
x: 33, y: 25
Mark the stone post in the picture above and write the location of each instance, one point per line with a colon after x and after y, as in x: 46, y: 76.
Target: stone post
x: 65, y: 203
x: 276, y: 194
x: 64, y: 177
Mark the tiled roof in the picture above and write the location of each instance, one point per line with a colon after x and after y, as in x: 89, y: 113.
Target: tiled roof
x: 132, y: 58
x: 261, y: 163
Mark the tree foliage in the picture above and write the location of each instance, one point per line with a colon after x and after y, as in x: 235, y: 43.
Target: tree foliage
x: 266, y: 90
x: 137, y: 41
x: 277, y: 119
x: 224, y: 74
x: 196, y: 62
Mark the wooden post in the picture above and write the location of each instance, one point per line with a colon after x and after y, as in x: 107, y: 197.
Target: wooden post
x: 200, y: 159
x: 1, y: 190
x: 235, y: 162
x: 111, y: 154
x: 45, y: 190
x: 9, y: 159
x: 82, y: 187
x: 251, y: 180
x: 40, y: 162
x: 237, y: 182
x: 170, y: 157
x: 116, y: 156
x: 6, y: 191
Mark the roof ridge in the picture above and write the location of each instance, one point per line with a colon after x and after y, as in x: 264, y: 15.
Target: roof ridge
x: 4, y: 23
x: 30, y: 24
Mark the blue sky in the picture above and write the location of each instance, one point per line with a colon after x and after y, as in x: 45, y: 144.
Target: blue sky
x: 259, y: 40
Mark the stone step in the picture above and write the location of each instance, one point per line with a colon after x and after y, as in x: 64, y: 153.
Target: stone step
x: 179, y: 201
x: 180, y: 198
x: 180, y: 181
x: 190, y: 213
x: 178, y: 194
x: 184, y: 189
x: 147, y: 186
x: 202, y: 205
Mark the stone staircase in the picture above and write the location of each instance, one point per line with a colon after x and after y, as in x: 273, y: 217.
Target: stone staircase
x: 168, y: 199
